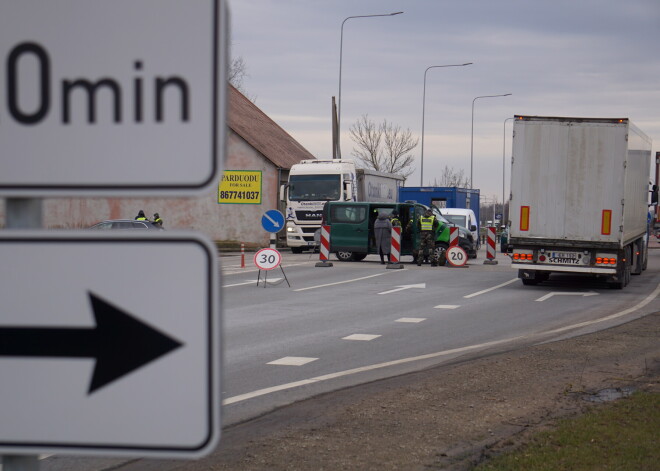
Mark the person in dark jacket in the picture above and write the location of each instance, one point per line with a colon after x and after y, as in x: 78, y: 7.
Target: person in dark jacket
x: 383, y: 236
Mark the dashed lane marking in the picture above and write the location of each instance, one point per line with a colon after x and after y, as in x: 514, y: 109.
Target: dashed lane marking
x: 292, y: 361
x: 412, y: 320
x: 446, y: 306
x: 363, y: 337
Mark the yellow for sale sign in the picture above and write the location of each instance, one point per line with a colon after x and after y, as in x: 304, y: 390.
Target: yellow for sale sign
x: 240, y: 187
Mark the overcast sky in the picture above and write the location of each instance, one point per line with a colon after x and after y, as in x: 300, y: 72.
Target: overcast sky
x: 585, y: 58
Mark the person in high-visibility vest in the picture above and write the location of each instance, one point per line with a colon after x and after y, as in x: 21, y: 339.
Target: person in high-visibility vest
x: 396, y: 222
x: 427, y: 225
x: 141, y: 216
x: 157, y: 220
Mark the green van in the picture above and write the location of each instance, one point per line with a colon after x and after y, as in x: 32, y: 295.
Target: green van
x: 352, y: 228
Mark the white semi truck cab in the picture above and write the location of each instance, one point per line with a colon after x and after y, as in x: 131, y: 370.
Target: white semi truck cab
x: 312, y: 183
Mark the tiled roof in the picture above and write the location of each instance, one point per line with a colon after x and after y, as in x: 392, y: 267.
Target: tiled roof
x: 262, y: 133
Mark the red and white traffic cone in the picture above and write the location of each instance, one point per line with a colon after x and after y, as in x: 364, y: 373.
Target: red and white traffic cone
x: 490, y: 247
x: 324, y: 252
x: 395, y: 249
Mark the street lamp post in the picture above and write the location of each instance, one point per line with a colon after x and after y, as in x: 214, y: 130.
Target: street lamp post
x: 421, y: 160
x: 504, y: 165
x: 472, y: 133
x: 341, y: 49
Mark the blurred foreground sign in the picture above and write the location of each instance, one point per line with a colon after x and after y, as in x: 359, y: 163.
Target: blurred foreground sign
x: 111, y: 345
x: 112, y: 97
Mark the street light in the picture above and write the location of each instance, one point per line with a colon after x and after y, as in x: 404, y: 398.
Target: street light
x: 341, y: 48
x: 503, y: 164
x: 472, y: 133
x: 421, y: 163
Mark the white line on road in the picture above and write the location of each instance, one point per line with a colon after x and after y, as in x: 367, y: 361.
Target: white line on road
x: 413, y: 320
x: 446, y: 306
x: 402, y: 287
x: 558, y: 293
x: 292, y: 361
x: 345, y: 281
x: 339, y: 374
x: 490, y: 289
x: 362, y: 337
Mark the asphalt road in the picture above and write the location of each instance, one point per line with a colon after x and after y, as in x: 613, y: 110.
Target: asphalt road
x: 355, y: 322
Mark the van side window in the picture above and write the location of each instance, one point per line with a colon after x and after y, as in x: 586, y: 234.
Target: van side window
x: 349, y: 214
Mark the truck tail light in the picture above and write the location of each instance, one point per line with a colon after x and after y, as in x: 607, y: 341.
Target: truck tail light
x: 605, y: 261
x: 523, y: 256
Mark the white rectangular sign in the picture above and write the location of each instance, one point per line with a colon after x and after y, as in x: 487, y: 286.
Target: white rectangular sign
x: 109, y: 344
x: 112, y: 97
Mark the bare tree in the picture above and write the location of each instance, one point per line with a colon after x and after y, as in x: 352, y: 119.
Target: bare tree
x: 237, y: 72
x: 453, y: 178
x: 384, y: 147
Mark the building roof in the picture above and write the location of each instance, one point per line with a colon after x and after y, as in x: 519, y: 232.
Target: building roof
x: 262, y: 133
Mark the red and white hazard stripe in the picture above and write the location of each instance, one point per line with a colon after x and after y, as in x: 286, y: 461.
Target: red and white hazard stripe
x: 324, y: 253
x: 395, y: 251
x: 453, y: 236
x: 490, y: 247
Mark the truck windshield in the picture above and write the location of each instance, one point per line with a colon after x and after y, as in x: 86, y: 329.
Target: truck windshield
x: 314, y: 187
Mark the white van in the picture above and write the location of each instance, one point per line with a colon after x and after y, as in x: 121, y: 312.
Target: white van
x: 464, y: 218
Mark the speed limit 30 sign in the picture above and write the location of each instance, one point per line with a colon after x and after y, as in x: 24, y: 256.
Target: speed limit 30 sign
x: 456, y: 256
x: 267, y: 259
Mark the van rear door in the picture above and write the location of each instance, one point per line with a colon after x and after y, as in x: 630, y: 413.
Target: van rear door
x: 349, y: 227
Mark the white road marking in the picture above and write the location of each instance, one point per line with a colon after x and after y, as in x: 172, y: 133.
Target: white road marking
x: 557, y: 293
x: 402, y: 287
x: 412, y: 320
x: 363, y: 337
x: 490, y: 289
x: 292, y: 361
x: 345, y: 281
x: 254, y: 282
x: 339, y: 374
x: 446, y: 306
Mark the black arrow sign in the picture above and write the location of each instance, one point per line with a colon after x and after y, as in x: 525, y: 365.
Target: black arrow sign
x: 119, y: 343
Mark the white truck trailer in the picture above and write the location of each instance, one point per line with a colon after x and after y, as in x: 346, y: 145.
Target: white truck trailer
x: 579, y: 198
x: 312, y: 183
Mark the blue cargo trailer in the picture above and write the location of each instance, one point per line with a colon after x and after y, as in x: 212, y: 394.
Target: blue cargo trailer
x: 442, y: 197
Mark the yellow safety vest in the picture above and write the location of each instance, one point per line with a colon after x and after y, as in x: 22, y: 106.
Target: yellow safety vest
x: 427, y: 223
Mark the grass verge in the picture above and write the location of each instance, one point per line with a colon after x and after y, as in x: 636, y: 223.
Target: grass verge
x: 622, y: 435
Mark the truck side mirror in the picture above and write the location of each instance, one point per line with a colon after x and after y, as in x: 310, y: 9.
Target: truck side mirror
x: 348, y: 191
x: 283, y: 192
x: 473, y: 228
x: 654, y: 195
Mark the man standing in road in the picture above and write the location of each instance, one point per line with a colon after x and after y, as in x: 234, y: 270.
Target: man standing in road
x: 427, y: 225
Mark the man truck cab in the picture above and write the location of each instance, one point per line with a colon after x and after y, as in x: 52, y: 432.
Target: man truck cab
x: 352, y: 228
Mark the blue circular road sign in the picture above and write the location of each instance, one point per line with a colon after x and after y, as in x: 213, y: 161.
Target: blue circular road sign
x: 272, y: 221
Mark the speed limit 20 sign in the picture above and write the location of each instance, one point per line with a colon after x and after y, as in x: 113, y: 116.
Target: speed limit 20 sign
x: 456, y: 256
x: 267, y: 259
